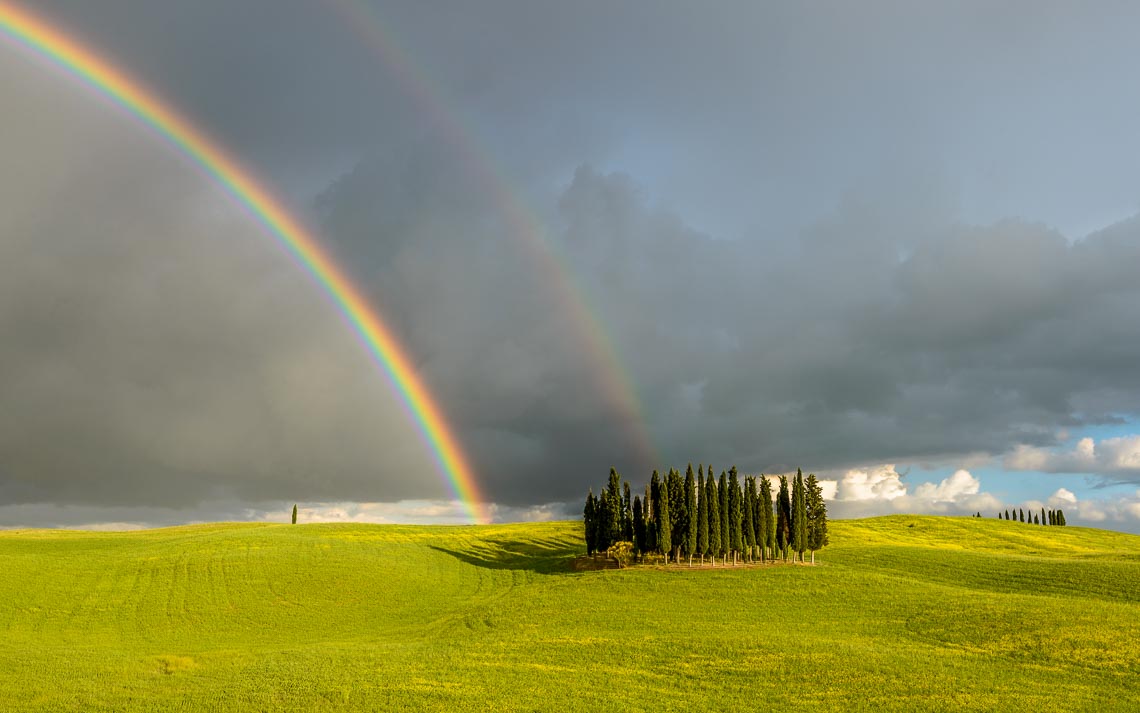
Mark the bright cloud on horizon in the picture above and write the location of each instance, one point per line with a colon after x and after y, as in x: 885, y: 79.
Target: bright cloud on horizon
x: 1111, y: 457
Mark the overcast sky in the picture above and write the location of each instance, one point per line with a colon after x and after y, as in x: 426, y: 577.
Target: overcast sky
x: 894, y: 244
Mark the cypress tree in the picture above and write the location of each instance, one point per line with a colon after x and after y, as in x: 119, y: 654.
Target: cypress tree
x: 665, y: 526
x: 783, y: 517
x: 1050, y: 517
x: 1035, y: 520
x: 736, y: 514
x: 714, y: 517
x: 1042, y: 516
x: 294, y: 513
x: 1007, y: 514
x: 638, y: 527
x: 1061, y: 517
x: 626, y: 513
x: 799, y: 516
x: 817, y: 537
x: 588, y: 516
x: 768, y: 516
x: 602, y: 540
x: 613, y: 509
x: 678, y: 515
x: 691, y: 510
x: 702, y: 515
x: 725, y: 517
x: 1021, y: 514
x: 653, y: 542
x: 749, y: 512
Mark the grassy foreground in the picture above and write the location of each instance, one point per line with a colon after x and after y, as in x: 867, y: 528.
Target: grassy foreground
x: 902, y: 613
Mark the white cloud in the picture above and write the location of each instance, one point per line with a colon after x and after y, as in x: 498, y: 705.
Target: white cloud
x: 1111, y: 456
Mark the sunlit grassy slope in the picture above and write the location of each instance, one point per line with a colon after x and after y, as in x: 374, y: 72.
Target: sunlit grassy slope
x: 903, y: 613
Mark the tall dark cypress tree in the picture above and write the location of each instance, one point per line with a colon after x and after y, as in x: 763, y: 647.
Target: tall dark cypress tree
x: 1061, y: 517
x: 768, y: 517
x: 1007, y: 514
x: 691, y: 509
x: 1042, y: 516
x: 817, y: 537
x: 702, y: 515
x: 799, y: 516
x: 601, y: 523
x: 638, y: 527
x: 1021, y: 514
x: 725, y: 516
x: 589, y: 517
x: 749, y: 511
x: 651, y: 497
x: 665, y: 525
x: 678, y: 515
x: 783, y: 518
x: 714, y: 517
x: 613, y: 509
x: 736, y: 515
x: 626, y: 513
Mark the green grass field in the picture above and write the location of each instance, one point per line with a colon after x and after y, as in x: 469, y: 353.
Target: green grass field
x: 902, y: 613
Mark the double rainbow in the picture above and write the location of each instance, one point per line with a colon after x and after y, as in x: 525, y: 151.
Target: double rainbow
x: 84, y: 64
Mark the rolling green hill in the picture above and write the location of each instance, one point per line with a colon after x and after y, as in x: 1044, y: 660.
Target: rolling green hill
x: 902, y: 613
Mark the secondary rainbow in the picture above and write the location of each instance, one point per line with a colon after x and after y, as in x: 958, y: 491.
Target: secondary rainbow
x: 65, y: 51
x: 613, y: 381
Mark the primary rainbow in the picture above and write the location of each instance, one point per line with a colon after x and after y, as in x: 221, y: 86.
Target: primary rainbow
x: 47, y: 41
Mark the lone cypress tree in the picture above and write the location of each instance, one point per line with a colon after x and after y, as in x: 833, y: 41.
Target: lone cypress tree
x: 714, y: 517
x: 768, y: 516
x: 783, y: 518
x: 725, y: 517
x: 736, y: 514
x: 749, y: 512
x: 664, y: 526
x: 702, y: 515
x: 691, y: 509
x: 638, y: 527
x: 817, y: 537
x: 294, y: 513
x: 589, y: 517
x: 799, y: 516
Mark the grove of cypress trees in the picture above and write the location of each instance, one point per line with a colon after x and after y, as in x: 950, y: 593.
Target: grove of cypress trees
x: 783, y: 518
x: 702, y: 515
x: 817, y: 537
x: 714, y: 516
x: 799, y: 516
x: 736, y: 515
x: 638, y: 527
x: 749, y: 509
x: 725, y: 517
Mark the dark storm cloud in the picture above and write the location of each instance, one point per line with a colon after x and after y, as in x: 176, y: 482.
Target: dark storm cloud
x: 828, y: 235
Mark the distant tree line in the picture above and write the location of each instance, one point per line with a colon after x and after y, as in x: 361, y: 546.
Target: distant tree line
x: 704, y: 517
x: 1050, y: 517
